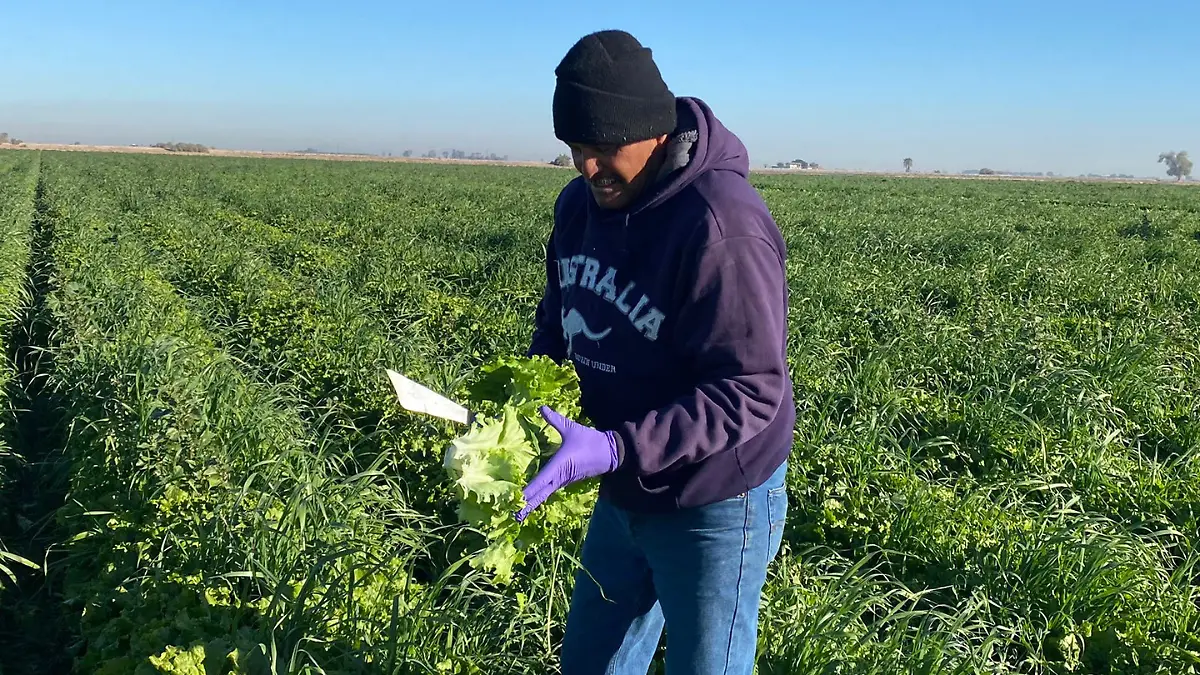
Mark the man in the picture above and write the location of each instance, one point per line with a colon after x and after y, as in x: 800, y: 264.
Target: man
x: 666, y: 288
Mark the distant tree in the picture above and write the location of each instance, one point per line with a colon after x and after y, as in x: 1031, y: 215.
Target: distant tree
x: 562, y: 160
x: 3, y: 138
x: 408, y: 153
x: 907, y: 164
x: 181, y: 147
x: 987, y: 172
x: 1178, y: 164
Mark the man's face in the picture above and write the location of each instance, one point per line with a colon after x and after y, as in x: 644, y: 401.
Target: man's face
x: 617, y: 174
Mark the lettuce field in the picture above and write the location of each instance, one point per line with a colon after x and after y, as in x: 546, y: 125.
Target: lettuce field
x: 203, y: 467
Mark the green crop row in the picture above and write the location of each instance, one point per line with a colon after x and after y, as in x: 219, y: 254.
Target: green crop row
x: 18, y: 180
x: 997, y: 464
x: 209, y: 524
x: 316, y: 337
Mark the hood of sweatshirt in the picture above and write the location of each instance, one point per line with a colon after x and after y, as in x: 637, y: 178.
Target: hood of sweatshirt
x: 700, y: 144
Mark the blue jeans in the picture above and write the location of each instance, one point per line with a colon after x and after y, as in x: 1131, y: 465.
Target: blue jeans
x: 699, y: 571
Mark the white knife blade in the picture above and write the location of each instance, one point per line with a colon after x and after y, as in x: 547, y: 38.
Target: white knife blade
x: 420, y: 399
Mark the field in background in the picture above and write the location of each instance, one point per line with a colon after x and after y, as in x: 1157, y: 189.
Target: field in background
x: 264, y: 154
x: 996, y: 466
x: 757, y: 169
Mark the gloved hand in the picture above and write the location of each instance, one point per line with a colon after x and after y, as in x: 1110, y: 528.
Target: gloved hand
x: 584, y: 453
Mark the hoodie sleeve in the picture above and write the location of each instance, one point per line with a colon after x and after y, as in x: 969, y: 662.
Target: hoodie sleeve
x: 731, y: 327
x: 547, y: 320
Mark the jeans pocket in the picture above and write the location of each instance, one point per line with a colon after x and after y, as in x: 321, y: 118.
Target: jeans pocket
x: 777, y: 505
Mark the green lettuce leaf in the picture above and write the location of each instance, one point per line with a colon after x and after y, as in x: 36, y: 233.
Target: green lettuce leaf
x: 492, y: 462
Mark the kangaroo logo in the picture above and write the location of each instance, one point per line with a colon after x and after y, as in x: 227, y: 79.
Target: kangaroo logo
x: 574, y: 324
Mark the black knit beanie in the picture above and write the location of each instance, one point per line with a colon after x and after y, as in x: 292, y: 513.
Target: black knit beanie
x: 609, y: 91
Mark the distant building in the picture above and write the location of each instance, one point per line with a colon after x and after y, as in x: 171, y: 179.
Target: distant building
x: 796, y: 164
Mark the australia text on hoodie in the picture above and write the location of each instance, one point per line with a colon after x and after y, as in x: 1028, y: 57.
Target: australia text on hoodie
x: 674, y: 312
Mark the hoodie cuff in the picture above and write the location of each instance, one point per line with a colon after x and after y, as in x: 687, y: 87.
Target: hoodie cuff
x: 618, y: 448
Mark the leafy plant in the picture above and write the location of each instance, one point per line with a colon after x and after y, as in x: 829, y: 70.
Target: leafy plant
x: 492, y: 463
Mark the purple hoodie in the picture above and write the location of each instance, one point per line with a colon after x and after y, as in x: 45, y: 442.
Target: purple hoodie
x: 674, y: 312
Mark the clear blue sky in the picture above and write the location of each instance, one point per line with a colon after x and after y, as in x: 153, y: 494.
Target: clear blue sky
x: 1059, y: 85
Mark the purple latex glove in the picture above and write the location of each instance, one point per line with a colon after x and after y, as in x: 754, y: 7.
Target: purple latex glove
x: 584, y: 453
